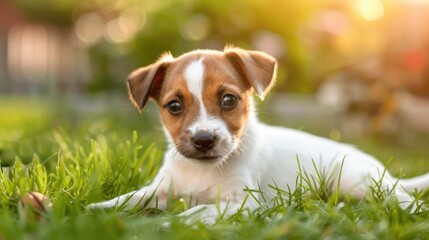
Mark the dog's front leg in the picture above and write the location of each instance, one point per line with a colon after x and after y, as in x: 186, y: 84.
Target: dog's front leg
x: 210, y: 213
x: 145, y: 197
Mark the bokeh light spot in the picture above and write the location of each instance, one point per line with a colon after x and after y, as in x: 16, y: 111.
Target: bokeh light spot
x: 269, y: 42
x: 370, y: 10
x: 89, y: 28
x: 131, y: 21
x: 196, y: 28
x: 123, y: 28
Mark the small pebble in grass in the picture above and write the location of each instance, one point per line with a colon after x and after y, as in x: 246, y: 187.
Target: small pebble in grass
x: 35, y: 201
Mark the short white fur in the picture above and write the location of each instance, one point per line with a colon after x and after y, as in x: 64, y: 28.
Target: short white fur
x: 269, y: 156
x: 194, y: 76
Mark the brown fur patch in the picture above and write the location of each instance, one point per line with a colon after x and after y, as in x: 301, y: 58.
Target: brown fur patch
x: 174, y: 88
x: 221, y: 76
x: 220, y: 79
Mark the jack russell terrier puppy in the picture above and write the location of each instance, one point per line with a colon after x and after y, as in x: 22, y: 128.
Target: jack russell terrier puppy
x: 218, y: 148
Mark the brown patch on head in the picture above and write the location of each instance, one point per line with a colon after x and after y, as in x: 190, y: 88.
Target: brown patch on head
x: 176, y: 124
x: 231, y: 75
x: 174, y: 88
x: 221, y: 80
x: 257, y: 68
x: 146, y: 82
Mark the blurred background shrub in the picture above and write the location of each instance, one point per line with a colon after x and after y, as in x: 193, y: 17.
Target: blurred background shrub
x: 359, y: 63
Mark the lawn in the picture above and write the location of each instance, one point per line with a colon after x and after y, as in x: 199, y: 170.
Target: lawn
x: 92, y: 150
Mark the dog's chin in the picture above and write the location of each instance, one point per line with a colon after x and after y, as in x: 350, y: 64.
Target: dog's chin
x: 211, y: 158
x: 214, y: 157
x: 206, y: 160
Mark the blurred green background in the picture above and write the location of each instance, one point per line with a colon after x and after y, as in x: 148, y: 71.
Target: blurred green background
x: 352, y: 70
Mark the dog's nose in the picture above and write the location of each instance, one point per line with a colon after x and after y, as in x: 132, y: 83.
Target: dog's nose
x: 203, y: 141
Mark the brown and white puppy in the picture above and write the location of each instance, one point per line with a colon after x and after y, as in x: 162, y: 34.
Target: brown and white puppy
x: 217, y: 146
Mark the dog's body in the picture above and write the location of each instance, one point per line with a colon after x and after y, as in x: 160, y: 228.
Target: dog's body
x: 218, y: 148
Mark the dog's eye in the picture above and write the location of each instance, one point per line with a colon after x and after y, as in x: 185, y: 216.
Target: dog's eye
x: 174, y: 107
x: 229, y: 101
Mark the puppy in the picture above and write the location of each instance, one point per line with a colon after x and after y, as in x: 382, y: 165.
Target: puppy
x: 217, y: 147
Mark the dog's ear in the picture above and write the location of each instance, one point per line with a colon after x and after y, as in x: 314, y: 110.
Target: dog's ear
x: 258, y: 68
x: 146, y: 82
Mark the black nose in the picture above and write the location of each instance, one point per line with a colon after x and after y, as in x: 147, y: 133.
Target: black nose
x: 203, y: 141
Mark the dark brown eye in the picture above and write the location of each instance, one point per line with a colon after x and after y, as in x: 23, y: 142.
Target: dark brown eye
x: 174, y: 107
x: 229, y: 101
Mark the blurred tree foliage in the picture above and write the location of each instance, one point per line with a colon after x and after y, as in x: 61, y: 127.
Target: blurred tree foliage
x: 166, y: 22
x: 59, y: 13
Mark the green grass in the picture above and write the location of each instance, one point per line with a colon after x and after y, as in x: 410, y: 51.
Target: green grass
x: 76, y: 157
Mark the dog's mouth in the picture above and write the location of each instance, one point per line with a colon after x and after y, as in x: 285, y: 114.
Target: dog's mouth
x: 208, y: 158
x: 202, y: 158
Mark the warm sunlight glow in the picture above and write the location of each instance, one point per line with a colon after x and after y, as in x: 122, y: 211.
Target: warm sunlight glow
x: 370, y: 10
x: 417, y: 2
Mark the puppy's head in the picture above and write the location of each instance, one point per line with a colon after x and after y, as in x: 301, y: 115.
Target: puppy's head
x: 205, y: 98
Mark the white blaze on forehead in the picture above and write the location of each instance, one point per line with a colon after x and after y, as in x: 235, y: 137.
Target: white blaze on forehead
x: 194, y: 76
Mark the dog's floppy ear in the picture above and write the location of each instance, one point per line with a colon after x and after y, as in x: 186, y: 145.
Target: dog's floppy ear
x: 146, y: 82
x: 258, y: 68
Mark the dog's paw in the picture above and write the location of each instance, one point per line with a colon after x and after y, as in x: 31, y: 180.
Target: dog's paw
x: 206, y: 214
x: 100, y: 205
